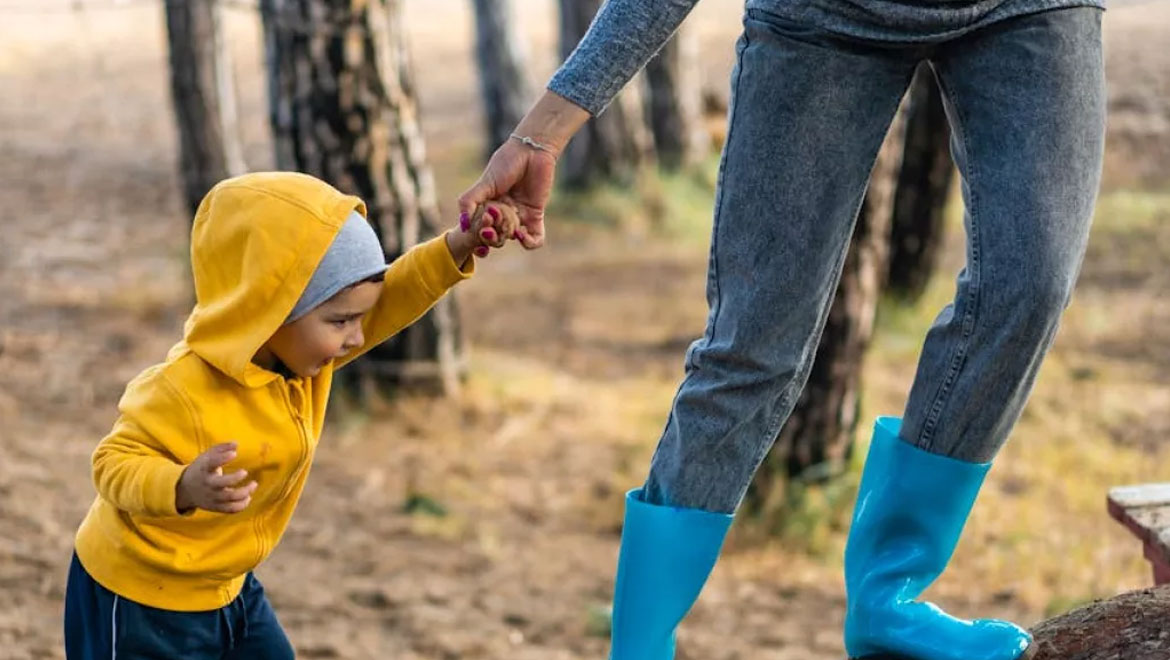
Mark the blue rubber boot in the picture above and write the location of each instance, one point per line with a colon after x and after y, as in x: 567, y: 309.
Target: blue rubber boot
x: 910, y: 512
x: 667, y: 554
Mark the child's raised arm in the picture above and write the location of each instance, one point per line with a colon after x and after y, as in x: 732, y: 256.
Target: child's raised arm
x: 422, y: 276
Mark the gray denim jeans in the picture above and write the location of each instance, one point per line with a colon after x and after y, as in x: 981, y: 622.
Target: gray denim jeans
x: 1026, y: 102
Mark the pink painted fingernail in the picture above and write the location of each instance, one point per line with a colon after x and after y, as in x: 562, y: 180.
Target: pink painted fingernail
x: 481, y: 251
x: 488, y: 234
x: 464, y: 222
x: 493, y: 212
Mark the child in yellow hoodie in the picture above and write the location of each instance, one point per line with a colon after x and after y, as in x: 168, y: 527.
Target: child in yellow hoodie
x: 203, y: 468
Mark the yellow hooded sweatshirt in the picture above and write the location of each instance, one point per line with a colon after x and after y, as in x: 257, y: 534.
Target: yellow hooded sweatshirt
x: 255, y: 243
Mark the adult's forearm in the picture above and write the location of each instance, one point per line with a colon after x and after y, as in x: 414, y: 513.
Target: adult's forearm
x: 624, y: 35
x: 552, y: 121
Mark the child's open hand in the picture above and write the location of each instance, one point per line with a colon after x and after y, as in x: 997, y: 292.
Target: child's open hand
x: 204, y: 485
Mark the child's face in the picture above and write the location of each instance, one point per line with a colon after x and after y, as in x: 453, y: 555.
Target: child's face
x: 329, y: 331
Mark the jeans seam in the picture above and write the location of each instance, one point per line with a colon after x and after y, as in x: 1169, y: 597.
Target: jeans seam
x: 717, y: 307
x: 959, y: 351
x: 713, y: 261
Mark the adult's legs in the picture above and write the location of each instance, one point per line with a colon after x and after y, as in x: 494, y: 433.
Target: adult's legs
x: 808, y: 115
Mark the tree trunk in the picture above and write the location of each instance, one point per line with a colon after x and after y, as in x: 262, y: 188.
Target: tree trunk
x: 609, y: 147
x: 203, y: 95
x: 817, y: 439
x: 672, y: 81
x: 1131, y: 626
x: 343, y: 109
x: 282, y: 30
x: 502, y: 65
x: 923, y: 183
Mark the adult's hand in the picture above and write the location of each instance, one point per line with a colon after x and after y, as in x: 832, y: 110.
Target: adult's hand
x: 522, y: 175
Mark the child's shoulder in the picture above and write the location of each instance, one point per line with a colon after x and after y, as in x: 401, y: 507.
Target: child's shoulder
x: 180, y: 375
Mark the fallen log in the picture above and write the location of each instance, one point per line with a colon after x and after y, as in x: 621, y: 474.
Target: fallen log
x: 1132, y: 626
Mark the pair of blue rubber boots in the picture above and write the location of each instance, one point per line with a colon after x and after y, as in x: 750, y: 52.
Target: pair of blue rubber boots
x: 910, y: 511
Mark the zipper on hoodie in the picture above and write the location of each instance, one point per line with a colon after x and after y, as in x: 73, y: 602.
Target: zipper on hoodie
x: 303, y: 434
x: 286, y: 488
